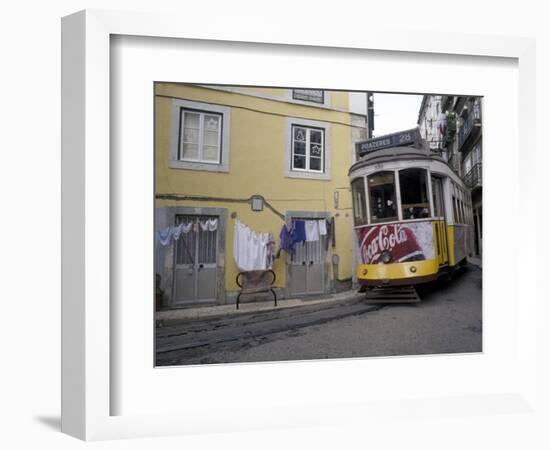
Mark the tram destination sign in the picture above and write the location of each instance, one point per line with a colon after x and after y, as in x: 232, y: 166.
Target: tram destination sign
x: 402, y: 138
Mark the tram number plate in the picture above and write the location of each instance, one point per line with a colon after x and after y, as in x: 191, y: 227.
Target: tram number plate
x: 405, y: 138
x: 378, y: 166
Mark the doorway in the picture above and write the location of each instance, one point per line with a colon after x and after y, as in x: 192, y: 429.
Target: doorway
x: 196, y: 252
x: 307, y: 267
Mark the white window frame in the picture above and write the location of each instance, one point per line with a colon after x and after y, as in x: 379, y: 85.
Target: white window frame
x: 222, y: 164
x: 307, y: 148
x: 200, y: 143
x: 290, y: 171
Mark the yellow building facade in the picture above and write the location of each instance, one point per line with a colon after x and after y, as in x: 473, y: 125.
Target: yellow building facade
x: 264, y: 157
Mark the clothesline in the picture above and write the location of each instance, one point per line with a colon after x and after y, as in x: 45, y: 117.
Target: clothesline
x: 167, y: 235
x: 301, y: 231
x: 251, y: 250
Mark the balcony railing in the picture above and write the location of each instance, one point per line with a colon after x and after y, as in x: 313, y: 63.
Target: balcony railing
x: 472, y: 122
x: 473, y: 177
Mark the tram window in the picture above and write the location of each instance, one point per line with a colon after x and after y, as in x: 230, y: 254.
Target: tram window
x: 437, y: 190
x: 414, y: 193
x: 381, y: 187
x: 455, y: 210
x: 359, y: 205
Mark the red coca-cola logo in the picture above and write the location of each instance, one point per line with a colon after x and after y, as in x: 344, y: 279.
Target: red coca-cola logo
x: 398, y: 239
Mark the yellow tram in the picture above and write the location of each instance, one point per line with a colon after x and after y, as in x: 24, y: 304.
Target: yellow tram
x: 412, y: 213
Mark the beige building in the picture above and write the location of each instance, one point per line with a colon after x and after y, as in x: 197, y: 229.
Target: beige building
x: 260, y: 156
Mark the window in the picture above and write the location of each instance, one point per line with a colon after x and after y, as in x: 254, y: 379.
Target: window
x: 437, y: 193
x: 381, y: 187
x: 414, y: 193
x: 309, y: 95
x: 359, y: 205
x: 200, y: 136
x: 455, y: 210
x: 307, y: 149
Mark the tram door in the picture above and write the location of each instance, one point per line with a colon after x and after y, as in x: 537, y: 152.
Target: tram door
x: 440, y: 228
x: 195, y: 265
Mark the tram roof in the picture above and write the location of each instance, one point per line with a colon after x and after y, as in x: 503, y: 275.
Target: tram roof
x: 413, y: 148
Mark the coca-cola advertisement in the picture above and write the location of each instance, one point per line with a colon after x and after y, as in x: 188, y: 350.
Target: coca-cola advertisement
x: 404, y: 241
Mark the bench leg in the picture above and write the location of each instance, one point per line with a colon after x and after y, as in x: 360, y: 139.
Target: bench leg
x: 238, y: 297
x: 274, y: 296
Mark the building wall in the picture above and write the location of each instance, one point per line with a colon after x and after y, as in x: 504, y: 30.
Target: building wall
x: 258, y: 166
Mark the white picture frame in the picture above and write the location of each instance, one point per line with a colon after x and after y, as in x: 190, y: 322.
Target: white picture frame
x: 89, y: 323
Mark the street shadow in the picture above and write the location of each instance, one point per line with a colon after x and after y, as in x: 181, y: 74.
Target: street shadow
x: 428, y: 291
x: 51, y: 422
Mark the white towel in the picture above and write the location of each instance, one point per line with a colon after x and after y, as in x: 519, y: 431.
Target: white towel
x: 249, y: 248
x: 312, y: 230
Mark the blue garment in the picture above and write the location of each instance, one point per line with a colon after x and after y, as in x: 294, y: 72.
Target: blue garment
x: 298, y: 231
x: 286, y: 243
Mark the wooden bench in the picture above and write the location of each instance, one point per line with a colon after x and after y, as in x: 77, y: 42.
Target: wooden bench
x: 255, y: 282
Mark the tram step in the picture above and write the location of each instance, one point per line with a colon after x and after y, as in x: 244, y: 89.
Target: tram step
x: 401, y: 294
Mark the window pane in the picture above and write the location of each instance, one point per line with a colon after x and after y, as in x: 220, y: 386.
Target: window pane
x: 191, y: 120
x: 300, y: 148
x: 210, y: 153
x: 315, y: 150
x: 455, y: 210
x: 299, y: 162
x: 359, y: 206
x: 299, y: 134
x: 382, y: 197
x: 316, y: 136
x: 189, y: 151
x: 191, y: 135
x: 211, y: 123
x: 315, y: 163
x: 437, y: 190
x: 210, y: 138
x: 414, y: 193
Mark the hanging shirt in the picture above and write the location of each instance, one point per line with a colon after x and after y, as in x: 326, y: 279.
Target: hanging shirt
x: 323, y: 227
x: 286, y: 242
x: 164, y: 236
x: 209, y: 225
x: 241, y: 237
x: 299, y: 231
x: 312, y: 230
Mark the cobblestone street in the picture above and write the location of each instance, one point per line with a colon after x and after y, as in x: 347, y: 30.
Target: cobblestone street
x: 447, y: 320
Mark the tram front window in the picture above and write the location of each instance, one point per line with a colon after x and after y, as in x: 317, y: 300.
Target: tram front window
x: 382, y: 197
x: 414, y: 193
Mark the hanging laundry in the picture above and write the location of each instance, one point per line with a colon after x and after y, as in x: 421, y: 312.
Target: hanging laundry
x: 270, y: 251
x: 312, y: 230
x: 286, y: 242
x: 249, y: 248
x: 164, y: 237
x: 323, y: 227
x: 209, y: 225
x: 258, y: 251
x: 179, y: 229
x: 298, y: 231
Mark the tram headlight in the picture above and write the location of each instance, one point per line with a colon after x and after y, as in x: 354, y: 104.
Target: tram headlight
x: 386, y: 256
x: 413, y: 269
